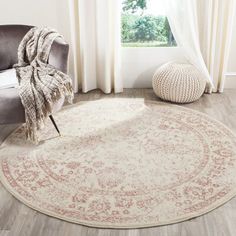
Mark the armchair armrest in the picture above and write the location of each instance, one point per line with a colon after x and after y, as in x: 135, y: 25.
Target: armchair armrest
x: 59, y: 55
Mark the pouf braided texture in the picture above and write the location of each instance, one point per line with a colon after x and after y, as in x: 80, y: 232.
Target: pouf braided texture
x: 178, y: 82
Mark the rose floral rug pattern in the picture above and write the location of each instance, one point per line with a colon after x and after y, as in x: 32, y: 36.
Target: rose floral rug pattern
x: 123, y: 163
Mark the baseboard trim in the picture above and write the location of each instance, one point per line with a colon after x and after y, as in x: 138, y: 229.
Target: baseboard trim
x: 230, y: 82
x: 230, y: 74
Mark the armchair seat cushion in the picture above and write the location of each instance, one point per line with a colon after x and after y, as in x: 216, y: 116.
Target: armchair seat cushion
x: 11, y: 108
x: 8, y: 79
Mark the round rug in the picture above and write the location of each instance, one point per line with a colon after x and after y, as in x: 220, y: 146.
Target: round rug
x: 123, y: 163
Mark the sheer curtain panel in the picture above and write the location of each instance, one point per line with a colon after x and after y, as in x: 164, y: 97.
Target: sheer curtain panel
x: 203, y: 28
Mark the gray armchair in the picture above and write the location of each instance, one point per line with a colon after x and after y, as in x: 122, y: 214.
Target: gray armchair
x: 11, y: 108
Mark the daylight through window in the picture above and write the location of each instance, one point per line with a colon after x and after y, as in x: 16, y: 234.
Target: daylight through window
x: 144, y: 24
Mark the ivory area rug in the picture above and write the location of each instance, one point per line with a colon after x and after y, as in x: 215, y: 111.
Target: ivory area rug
x: 123, y: 163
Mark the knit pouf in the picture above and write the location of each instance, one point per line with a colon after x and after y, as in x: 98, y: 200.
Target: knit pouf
x: 178, y: 82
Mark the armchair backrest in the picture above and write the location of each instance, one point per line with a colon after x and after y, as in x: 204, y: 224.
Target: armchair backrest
x: 10, y: 38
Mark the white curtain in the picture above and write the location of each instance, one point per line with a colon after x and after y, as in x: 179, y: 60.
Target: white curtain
x: 97, y: 44
x: 203, y: 28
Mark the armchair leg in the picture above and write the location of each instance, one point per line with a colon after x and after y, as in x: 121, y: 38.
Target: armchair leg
x: 55, y: 125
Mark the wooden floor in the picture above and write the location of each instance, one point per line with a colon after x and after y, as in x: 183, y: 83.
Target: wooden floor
x: 17, y: 219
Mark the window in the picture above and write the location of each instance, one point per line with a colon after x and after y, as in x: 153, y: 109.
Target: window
x: 144, y: 24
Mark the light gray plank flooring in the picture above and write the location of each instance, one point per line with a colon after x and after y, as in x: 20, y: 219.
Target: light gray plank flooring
x: 17, y: 219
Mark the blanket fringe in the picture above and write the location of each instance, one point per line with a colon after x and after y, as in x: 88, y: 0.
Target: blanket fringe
x: 31, y: 128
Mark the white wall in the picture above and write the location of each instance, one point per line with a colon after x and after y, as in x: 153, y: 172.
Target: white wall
x: 30, y: 12
x: 138, y: 65
x: 232, y: 61
x: 231, y: 74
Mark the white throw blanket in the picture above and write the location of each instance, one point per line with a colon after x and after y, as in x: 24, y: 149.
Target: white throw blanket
x: 40, y: 84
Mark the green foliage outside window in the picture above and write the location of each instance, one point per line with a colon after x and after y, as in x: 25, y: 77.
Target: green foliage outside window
x: 141, y: 30
x: 134, y: 5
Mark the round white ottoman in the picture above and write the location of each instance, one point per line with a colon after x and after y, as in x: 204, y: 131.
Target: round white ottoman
x: 178, y: 82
